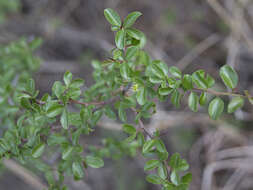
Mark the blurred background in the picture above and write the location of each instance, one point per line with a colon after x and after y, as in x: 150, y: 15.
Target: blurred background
x: 191, y: 34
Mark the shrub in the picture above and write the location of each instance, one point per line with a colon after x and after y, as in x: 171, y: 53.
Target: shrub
x: 129, y: 80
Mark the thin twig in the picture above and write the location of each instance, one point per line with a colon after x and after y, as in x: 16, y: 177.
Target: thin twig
x: 220, y: 93
x: 141, y: 125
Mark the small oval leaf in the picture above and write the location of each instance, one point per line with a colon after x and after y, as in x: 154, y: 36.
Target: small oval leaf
x: 131, y: 18
x: 216, y: 108
x: 112, y: 17
x: 131, y: 52
x: 175, y: 72
x: 153, y: 178
x: 187, y: 82
x: 229, y: 76
x: 193, y: 101
x: 38, y: 150
x: 64, y: 119
x: 203, y: 98
x: 235, y: 104
x: 94, y: 162
x: 148, y: 145
x: 77, y: 170
x: 151, y: 164
x: 54, y: 110
x: 129, y: 129
x: 67, y: 152
x: 120, y: 39
x: 134, y: 33
x: 141, y: 96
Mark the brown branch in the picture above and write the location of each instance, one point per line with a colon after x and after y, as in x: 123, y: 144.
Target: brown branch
x: 141, y: 124
x: 220, y: 93
x: 87, y: 103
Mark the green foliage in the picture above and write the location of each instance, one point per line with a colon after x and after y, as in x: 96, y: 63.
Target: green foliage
x: 128, y: 81
x: 229, y: 76
x: 8, y: 7
x: 216, y: 108
x: 193, y: 101
x: 112, y: 17
x: 131, y: 18
x: 235, y: 104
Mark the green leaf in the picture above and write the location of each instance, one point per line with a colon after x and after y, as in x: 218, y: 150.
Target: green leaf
x: 56, y: 139
x: 159, y: 69
x: 30, y: 86
x: 176, y: 163
x: 117, y: 55
x: 155, y: 79
x: 165, y: 91
x: 129, y: 129
x: 122, y: 114
x: 203, y: 98
x: 67, y: 78
x: 64, y: 119
x: 21, y: 120
x: 120, y: 39
x: 77, y: 83
x: 235, y: 104
x: 130, y: 138
x: 25, y: 102
x: 131, y: 52
x: 229, y: 76
x: 175, y: 98
x: 125, y: 71
x: 134, y: 33
x: 152, y: 178
x: 141, y: 95
x: 162, y: 171
x: 112, y: 17
x: 216, y: 108
x: 140, y: 139
x: 198, y: 78
x: 193, y: 101
x: 151, y: 164
x: 175, y: 72
x: 58, y: 89
x: 96, y: 116
x: 77, y: 170
x: 50, y: 177
x: 54, y: 110
x: 74, y: 93
x: 187, y: 82
x: 174, y: 177
x: 131, y: 18
x: 38, y: 150
x: 115, y: 28
x: 209, y: 81
x: 187, y: 178
x: 67, y: 152
x: 160, y: 146
x: 148, y: 145
x: 94, y: 162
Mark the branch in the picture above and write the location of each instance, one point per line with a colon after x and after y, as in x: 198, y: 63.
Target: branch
x: 220, y: 93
